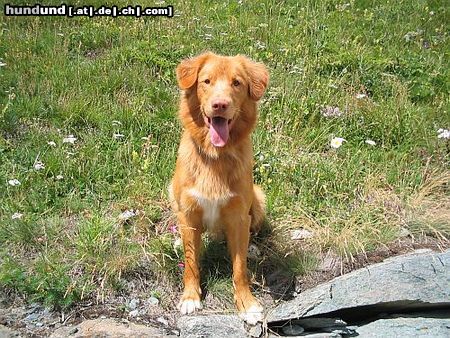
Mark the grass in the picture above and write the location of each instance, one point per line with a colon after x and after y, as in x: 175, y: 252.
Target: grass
x: 111, y: 84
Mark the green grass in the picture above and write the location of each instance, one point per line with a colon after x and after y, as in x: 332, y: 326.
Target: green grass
x: 94, y: 78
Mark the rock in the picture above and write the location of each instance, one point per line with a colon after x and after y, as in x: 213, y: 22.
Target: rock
x: 292, y: 330
x: 409, y: 281
x: 301, y: 234
x: 217, y: 326
x: 255, y: 331
x: 32, y: 316
x: 8, y: 333
x: 152, y: 301
x: 133, y: 304
x: 107, y: 328
x: 163, y: 321
x: 406, y: 327
x: 254, y: 252
x: 133, y: 313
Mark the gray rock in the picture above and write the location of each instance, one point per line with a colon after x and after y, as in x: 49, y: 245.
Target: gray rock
x: 133, y: 304
x: 152, y: 301
x: 133, y: 313
x: 255, y: 331
x: 32, y: 316
x: 163, y: 321
x: 412, y: 280
x: 217, y: 326
x: 406, y: 327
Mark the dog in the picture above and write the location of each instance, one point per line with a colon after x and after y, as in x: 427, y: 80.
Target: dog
x: 212, y: 188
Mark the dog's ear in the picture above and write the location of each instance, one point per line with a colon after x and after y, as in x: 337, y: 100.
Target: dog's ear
x: 187, y: 70
x: 258, y: 78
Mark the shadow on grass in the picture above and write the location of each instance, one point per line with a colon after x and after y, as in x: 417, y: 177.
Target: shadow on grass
x: 273, y: 268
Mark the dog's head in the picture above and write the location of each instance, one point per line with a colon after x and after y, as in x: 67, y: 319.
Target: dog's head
x: 226, y: 90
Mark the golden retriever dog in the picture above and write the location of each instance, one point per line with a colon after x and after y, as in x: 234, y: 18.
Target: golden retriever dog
x: 212, y: 188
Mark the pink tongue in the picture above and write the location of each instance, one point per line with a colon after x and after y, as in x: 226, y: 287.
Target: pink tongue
x: 219, y: 131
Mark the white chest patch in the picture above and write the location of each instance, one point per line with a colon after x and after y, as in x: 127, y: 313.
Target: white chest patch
x: 211, y: 209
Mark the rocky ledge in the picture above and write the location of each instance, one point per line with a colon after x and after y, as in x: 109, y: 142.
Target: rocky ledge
x: 406, y: 296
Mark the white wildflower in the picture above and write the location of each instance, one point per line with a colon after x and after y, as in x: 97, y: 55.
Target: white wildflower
x: 208, y: 36
x: 16, y: 215
x: 336, y: 142
x: 260, y: 45
x: 2, y: 64
x: 59, y: 177
x: 444, y: 133
x: 127, y: 214
x: 360, y: 96
x: 330, y: 111
x: 51, y: 143
x: 38, y: 165
x: 295, y: 70
x: 178, y: 243
x: 14, y: 182
x: 371, y: 142
x: 69, y: 139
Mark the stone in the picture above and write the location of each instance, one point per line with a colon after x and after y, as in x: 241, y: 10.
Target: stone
x: 409, y: 281
x: 217, y: 326
x: 133, y: 304
x: 406, y: 327
x: 107, y: 328
x: 152, y: 301
x: 255, y: 331
x: 299, y: 234
x: 133, y: 313
x: 163, y: 321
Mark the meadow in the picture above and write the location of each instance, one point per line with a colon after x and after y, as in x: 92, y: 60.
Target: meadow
x: 352, y: 145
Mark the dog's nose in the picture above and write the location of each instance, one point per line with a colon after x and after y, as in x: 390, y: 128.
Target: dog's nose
x: 219, y: 106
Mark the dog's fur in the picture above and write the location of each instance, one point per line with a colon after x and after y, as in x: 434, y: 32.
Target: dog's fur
x: 213, y: 184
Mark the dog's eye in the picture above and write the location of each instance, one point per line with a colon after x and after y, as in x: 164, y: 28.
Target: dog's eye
x: 207, y: 81
x: 236, y: 83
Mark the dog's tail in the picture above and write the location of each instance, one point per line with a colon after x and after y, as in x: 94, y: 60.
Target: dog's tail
x: 258, y: 209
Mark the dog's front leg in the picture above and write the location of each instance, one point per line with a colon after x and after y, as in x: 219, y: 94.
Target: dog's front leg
x: 237, y: 230
x: 191, y: 230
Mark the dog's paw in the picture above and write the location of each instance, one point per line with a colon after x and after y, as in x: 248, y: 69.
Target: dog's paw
x: 253, y: 314
x: 187, y: 306
x: 190, y: 301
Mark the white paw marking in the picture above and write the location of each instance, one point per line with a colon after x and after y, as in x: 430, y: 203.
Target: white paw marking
x: 188, y: 306
x: 253, y: 315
